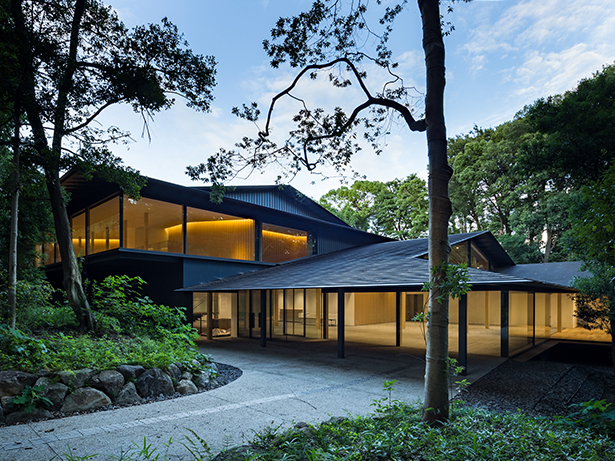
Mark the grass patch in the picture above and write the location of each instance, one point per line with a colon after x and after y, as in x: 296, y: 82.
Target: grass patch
x: 399, y: 434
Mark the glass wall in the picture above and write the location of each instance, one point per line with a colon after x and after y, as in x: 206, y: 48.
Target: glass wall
x: 222, y: 313
x: 484, y: 318
x: 520, y: 321
x: 219, y: 235
x: 283, y: 244
x: 413, y: 331
x: 153, y: 225
x: 79, y: 234
x: 104, y: 230
x: 243, y: 314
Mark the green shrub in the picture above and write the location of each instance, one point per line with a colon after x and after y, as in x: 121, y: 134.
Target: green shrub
x: 18, y: 350
x: 30, y: 399
x: 471, y: 434
x: 119, y: 297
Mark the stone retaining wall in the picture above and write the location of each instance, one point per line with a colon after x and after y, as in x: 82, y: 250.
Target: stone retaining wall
x: 88, y: 389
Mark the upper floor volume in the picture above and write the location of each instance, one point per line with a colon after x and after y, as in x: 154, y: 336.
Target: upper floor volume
x: 268, y: 224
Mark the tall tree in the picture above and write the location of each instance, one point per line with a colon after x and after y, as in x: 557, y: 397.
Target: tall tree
x: 592, y: 237
x: 332, y: 37
x: 78, y: 59
x: 396, y: 208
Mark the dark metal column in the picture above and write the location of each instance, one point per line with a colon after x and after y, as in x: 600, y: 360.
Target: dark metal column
x: 325, y: 316
x: 398, y: 318
x: 263, y: 318
x: 185, y: 229
x: 504, y: 308
x: 122, y: 223
x: 210, y: 314
x: 340, y: 323
x: 463, y: 334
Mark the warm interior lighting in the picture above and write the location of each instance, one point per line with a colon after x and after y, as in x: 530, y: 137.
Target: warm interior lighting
x: 195, y: 226
x: 296, y: 239
x: 77, y: 242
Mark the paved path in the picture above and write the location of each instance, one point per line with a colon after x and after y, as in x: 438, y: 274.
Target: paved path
x: 281, y: 384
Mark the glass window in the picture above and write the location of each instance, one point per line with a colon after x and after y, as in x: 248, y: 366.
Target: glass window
x: 283, y: 244
x: 104, y: 228
x: 219, y: 235
x: 521, y: 320
x: 79, y: 234
x: 49, y: 253
x: 478, y: 259
x: 153, y: 225
x: 459, y: 254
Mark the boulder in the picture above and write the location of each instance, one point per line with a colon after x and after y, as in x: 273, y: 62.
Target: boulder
x: 154, y: 382
x: 186, y: 387
x: 130, y: 372
x: 85, y: 398
x: 76, y: 379
x: 203, y: 379
x: 53, y: 391
x: 1, y: 415
x: 186, y: 375
x: 12, y: 382
x: 7, y: 405
x: 174, y: 372
x: 21, y: 416
x: 110, y: 382
x: 128, y: 395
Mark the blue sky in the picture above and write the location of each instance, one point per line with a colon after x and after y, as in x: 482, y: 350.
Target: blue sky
x: 503, y: 54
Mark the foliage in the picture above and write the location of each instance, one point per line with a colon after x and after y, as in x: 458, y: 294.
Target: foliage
x: 595, y: 415
x: 16, y: 345
x: 119, y: 305
x: 35, y: 221
x: 471, y: 434
x: 65, y: 352
x: 73, y: 60
x: 384, y: 404
x: 576, y: 132
x: 520, y: 250
x: 398, y: 433
x: 521, y: 179
x: 30, y: 399
x: 396, y: 208
x: 132, y: 330
x: 448, y: 280
x: 593, y: 239
x: 36, y: 308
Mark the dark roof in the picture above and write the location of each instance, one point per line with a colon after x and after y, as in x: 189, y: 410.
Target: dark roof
x: 281, y: 197
x: 561, y: 273
x: 388, y: 264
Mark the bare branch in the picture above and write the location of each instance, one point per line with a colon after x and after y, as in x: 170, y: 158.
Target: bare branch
x: 414, y: 125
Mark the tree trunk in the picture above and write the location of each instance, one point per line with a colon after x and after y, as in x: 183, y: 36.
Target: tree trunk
x: 435, y: 405
x: 51, y: 157
x: 72, y: 281
x: 548, y: 246
x: 12, y: 289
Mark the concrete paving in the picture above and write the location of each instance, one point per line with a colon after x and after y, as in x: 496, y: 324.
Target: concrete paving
x: 282, y: 384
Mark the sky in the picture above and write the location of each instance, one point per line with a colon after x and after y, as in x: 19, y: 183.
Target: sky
x: 502, y: 55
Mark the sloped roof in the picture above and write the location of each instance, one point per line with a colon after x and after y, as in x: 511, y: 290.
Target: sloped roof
x: 281, y: 197
x: 561, y: 273
x: 376, y: 266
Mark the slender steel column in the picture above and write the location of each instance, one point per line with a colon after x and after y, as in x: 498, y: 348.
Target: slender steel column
x: 398, y: 318
x: 340, y: 323
x: 325, y: 316
x: 504, y: 307
x: 210, y: 314
x: 263, y: 318
x: 463, y: 334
